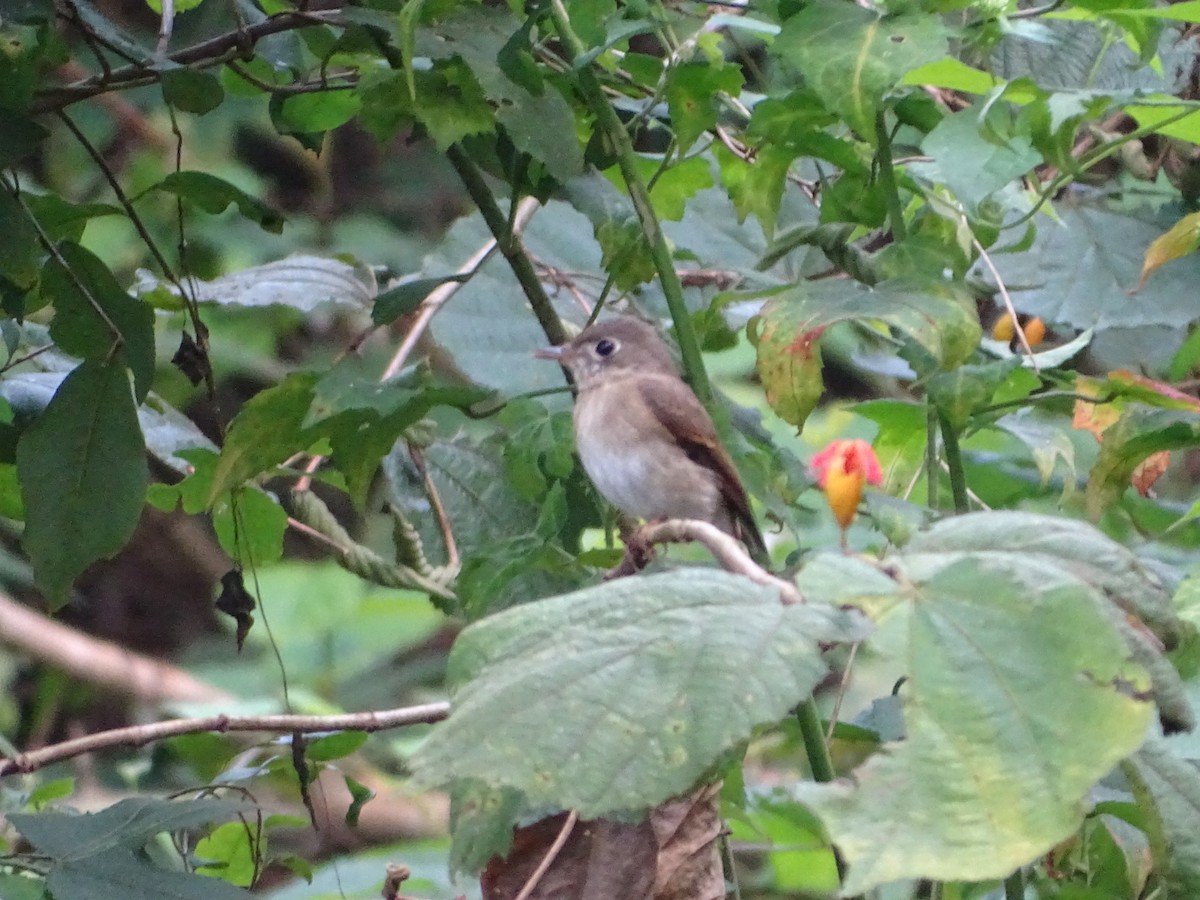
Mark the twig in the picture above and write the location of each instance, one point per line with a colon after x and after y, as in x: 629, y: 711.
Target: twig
x: 1004, y: 295
x: 139, y: 735
x: 166, y: 27
x: 435, y: 500
x: 211, y: 52
x: 727, y: 550
x: 439, y: 295
x: 841, y: 694
x: 98, y: 661
x: 548, y: 859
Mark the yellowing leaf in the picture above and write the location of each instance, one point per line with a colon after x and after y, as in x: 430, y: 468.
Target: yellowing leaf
x: 1182, y: 239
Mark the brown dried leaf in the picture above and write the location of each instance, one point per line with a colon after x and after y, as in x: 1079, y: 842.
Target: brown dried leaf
x: 689, y: 866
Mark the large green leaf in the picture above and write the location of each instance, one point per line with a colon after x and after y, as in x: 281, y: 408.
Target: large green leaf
x: 1111, y: 569
x: 852, y: 57
x: 1079, y: 272
x: 616, y: 697
x: 82, y: 466
x: 1018, y: 699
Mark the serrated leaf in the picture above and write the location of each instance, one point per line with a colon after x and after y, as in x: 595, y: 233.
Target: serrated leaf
x: 83, y: 476
x: 542, y: 124
x: 215, y: 195
x: 974, y: 159
x: 302, y: 282
x: 1079, y: 272
x: 1168, y: 788
x: 1018, y: 700
x: 84, y: 323
x: 1108, y: 567
x: 614, y: 698
x: 267, y: 430
x: 852, y: 57
x: 692, y: 91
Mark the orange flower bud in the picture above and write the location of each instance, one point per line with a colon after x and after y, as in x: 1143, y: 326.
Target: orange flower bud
x: 842, y: 469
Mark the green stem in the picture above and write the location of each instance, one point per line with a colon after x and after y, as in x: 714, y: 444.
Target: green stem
x: 932, y: 471
x: 958, y: 477
x: 508, y: 243
x: 1014, y: 886
x: 612, y: 128
x: 813, y: 736
x: 887, y: 178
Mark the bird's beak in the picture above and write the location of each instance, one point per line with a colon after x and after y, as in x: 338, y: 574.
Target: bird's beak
x: 554, y: 353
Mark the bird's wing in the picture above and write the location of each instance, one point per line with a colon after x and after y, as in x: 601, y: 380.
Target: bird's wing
x: 685, y: 417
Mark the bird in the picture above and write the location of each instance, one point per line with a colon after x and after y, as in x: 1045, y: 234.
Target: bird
x: 645, y: 440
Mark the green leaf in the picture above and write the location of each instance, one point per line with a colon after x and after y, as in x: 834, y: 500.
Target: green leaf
x: 1168, y: 789
x: 303, y: 282
x: 21, y: 260
x: 22, y: 887
x: 640, y: 685
x: 19, y: 137
x: 1018, y: 699
x: 90, y: 324
x: 335, y: 746
x: 1080, y: 271
x: 756, y: 188
x: 318, y: 111
x: 1182, y: 238
x: 542, y: 124
x: 267, y: 430
x: 83, y: 476
x: 692, y: 90
x: 938, y: 319
x: 360, y: 795
x: 191, y: 90
x: 1140, y: 431
x: 852, y: 57
x: 971, y: 156
x: 126, y: 825
x: 406, y: 297
x: 215, y: 195
x: 122, y: 874
x: 229, y: 852
x: 250, y: 525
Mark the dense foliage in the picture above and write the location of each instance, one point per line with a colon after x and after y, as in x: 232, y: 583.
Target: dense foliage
x: 257, y: 214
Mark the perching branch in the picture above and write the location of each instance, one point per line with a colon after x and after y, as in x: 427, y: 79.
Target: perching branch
x: 727, y: 550
x: 139, y: 735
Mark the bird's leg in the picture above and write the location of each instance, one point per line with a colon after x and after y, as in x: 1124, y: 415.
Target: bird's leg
x: 638, y: 552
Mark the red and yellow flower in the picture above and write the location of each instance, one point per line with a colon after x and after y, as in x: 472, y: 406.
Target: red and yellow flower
x: 843, y: 469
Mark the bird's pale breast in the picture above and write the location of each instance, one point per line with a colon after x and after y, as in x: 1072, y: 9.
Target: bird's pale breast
x: 635, y: 463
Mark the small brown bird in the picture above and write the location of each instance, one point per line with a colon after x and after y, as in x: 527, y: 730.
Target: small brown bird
x: 645, y: 440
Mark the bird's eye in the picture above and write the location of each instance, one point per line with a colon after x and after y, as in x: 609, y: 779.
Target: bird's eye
x: 605, y: 347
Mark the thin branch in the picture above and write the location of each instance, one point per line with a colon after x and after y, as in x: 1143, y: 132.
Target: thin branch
x: 140, y: 735
x: 439, y: 510
x: 123, y: 199
x: 841, y: 694
x: 726, y: 549
x: 1004, y: 295
x: 439, y: 295
x: 98, y: 661
x: 508, y: 241
x: 52, y: 248
x: 211, y: 52
x: 551, y: 855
